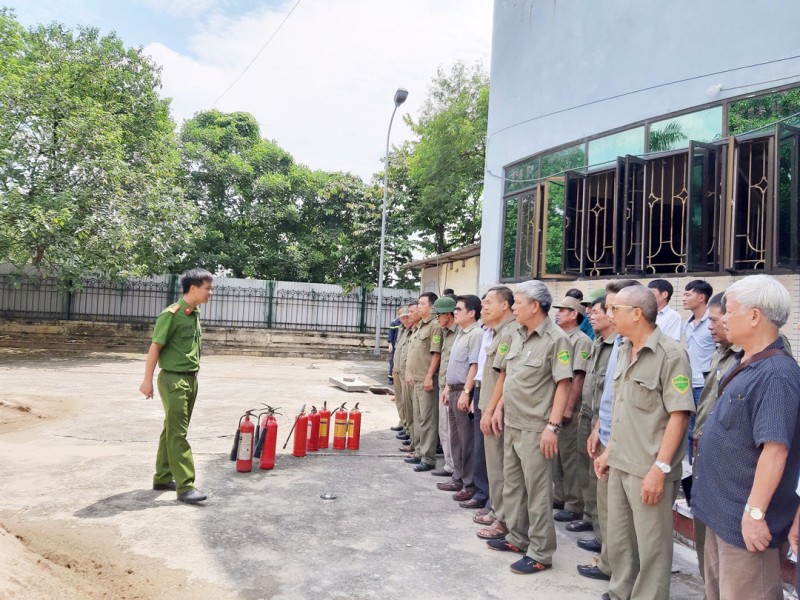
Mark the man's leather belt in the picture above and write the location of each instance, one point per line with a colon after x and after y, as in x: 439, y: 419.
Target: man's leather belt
x: 184, y: 373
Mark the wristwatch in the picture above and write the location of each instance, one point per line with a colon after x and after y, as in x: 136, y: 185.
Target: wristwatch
x: 755, y: 513
x: 554, y: 428
x: 663, y: 467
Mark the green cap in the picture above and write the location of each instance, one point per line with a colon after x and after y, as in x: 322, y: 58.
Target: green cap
x: 444, y: 305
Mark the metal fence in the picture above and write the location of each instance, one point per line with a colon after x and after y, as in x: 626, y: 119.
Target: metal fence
x: 235, y: 303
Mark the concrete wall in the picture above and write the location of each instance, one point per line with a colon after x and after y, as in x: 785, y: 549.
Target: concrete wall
x: 550, y: 56
x: 720, y: 284
x: 461, y: 275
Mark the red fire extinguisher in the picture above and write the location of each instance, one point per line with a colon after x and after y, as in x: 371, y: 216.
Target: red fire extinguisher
x: 300, y: 433
x: 270, y: 442
x: 324, y: 425
x: 312, y: 441
x: 340, y: 428
x: 354, y: 428
x: 244, y: 458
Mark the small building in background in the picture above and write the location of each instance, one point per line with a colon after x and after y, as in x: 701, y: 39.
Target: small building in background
x: 458, y: 269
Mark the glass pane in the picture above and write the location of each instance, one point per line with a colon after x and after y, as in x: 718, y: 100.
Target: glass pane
x: 751, y: 205
x: 526, y: 233
x: 762, y: 111
x: 704, y: 210
x: 788, y: 226
x: 563, y: 160
x: 522, y: 175
x: 509, y: 240
x: 675, y: 133
x: 604, y: 151
x: 555, y: 227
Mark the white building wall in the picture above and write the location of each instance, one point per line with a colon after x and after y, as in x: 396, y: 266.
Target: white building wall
x: 551, y: 55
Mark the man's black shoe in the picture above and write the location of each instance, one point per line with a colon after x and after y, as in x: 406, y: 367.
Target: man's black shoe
x: 396, y: 428
x: 579, y: 525
x: 592, y: 545
x: 422, y: 467
x: 191, y: 497
x: 164, y: 487
x: 605, y: 596
x: 592, y: 572
x: 403, y: 436
x: 412, y: 460
x: 567, y: 516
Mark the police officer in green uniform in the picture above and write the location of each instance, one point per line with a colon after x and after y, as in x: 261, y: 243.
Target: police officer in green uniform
x: 176, y: 348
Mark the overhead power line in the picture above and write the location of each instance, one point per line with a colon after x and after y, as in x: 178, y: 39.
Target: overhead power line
x: 250, y: 64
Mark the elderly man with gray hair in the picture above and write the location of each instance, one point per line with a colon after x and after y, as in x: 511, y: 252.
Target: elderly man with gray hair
x: 538, y: 375
x: 749, y: 455
x: 652, y: 403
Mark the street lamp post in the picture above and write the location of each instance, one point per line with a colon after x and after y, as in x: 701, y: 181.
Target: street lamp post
x: 399, y: 97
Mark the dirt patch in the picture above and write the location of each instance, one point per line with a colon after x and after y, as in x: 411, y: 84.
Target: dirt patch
x: 23, y: 411
x: 54, y: 559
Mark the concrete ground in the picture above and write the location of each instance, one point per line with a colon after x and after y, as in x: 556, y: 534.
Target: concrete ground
x: 78, y: 518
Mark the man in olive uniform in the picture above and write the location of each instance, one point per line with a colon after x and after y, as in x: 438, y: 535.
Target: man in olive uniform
x: 444, y: 309
x: 497, y: 315
x: 538, y: 375
x: 176, y: 348
x: 407, y: 435
x: 570, y: 316
x: 590, y: 413
x: 398, y: 366
x: 422, y: 366
x: 652, y: 403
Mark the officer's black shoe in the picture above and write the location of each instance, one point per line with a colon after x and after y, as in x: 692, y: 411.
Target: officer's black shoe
x: 191, y: 497
x: 592, y: 545
x: 567, y: 516
x: 605, y: 596
x: 421, y: 467
x: 403, y: 436
x: 412, y: 460
x: 592, y: 572
x: 163, y: 487
x: 396, y: 428
x: 579, y: 525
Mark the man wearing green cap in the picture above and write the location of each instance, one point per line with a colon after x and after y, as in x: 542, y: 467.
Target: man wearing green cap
x: 444, y: 308
x: 176, y: 348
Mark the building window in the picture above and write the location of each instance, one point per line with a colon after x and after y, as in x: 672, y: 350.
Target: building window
x: 788, y: 217
x: 675, y: 133
x: 603, y: 152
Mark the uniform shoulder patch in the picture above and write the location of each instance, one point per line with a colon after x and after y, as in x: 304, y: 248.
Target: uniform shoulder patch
x: 563, y: 357
x: 681, y: 383
x: 584, y: 354
x: 502, y: 349
x: 174, y: 308
x: 437, y: 339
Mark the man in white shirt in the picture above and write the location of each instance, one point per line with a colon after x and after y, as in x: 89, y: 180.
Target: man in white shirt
x: 668, y: 319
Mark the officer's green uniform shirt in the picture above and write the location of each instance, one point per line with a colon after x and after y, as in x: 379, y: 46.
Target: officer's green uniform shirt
x: 427, y: 338
x: 178, y: 332
x: 534, y: 365
x: 401, y: 350
x: 723, y: 359
x: 495, y: 355
x: 595, y: 376
x: 581, y: 354
x: 448, y: 339
x: 646, y: 391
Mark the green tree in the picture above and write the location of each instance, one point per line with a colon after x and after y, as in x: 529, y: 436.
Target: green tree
x: 446, y: 163
x: 88, y: 157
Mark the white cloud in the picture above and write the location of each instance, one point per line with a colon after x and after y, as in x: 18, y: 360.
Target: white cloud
x: 323, y: 88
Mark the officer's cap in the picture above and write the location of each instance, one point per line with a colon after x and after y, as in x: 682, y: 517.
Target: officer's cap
x: 572, y: 304
x: 444, y: 305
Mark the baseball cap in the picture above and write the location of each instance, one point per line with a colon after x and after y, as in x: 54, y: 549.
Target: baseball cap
x: 571, y: 303
x: 444, y: 305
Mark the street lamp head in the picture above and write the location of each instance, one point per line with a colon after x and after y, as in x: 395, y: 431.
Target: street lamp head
x: 400, y: 96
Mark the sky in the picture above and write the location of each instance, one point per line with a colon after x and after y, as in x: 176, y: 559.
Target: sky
x: 323, y: 87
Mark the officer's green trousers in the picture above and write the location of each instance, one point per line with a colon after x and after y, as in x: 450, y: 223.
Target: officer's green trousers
x: 174, y: 459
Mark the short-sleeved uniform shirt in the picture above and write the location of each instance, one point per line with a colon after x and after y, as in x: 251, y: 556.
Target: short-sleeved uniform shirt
x: 448, y: 339
x: 581, y: 353
x: 595, y: 377
x: 401, y: 350
x: 534, y: 365
x: 658, y: 382
x: 425, y: 339
x: 760, y: 404
x: 721, y: 362
x: 700, y: 348
x: 465, y: 352
x: 178, y: 331
x: 495, y: 356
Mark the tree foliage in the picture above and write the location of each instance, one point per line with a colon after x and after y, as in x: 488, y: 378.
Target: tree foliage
x: 446, y: 163
x: 88, y: 158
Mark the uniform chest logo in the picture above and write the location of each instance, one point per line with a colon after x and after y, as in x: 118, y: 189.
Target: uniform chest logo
x: 563, y: 357
x: 681, y: 383
x: 437, y: 339
x: 584, y: 354
x: 503, y: 349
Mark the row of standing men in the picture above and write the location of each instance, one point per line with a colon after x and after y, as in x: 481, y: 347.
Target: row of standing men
x: 534, y: 415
